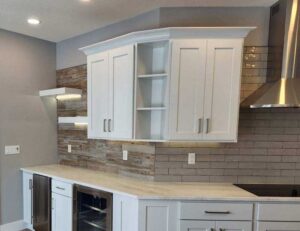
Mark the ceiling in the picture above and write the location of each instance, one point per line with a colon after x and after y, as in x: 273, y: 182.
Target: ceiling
x: 62, y: 19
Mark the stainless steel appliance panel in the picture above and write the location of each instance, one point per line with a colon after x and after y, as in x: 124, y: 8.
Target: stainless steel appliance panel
x: 41, y: 203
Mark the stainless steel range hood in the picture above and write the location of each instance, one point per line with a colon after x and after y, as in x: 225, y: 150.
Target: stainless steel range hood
x: 283, y: 76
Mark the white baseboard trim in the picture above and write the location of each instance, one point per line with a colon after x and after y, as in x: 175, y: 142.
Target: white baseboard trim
x: 14, y: 226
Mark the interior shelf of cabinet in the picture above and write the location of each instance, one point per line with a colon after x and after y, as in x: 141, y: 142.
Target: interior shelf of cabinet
x: 151, y: 93
x: 150, y: 125
x: 152, y: 58
x: 151, y: 90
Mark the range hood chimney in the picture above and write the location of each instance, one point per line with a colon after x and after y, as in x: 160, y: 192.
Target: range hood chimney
x: 283, y: 76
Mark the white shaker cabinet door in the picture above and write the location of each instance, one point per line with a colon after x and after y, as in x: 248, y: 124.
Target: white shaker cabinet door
x: 121, y: 72
x: 278, y: 226
x: 98, y: 95
x: 234, y: 225
x: 187, y: 89
x: 125, y: 213
x: 27, y: 198
x: 222, y: 90
x: 193, y: 225
x: 62, y: 210
x: 158, y: 215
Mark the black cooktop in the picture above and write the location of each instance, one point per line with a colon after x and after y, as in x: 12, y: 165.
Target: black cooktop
x: 272, y: 190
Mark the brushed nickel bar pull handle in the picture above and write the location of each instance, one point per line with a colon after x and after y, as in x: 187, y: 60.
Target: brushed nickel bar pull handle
x: 104, y: 125
x: 207, y: 125
x: 109, y: 125
x: 59, y: 188
x: 31, y: 194
x: 52, y: 203
x: 199, y: 125
x: 218, y: 212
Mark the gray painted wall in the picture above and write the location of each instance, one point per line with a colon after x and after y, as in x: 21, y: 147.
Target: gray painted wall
x: 27, y: 65
x: 69, y: 56
x: 225, y: 16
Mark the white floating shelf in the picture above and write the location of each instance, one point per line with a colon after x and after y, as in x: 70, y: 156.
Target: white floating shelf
x: 73, y: 120
x: 153, y: 76
x: 61, y: 91
x: 151, y: 108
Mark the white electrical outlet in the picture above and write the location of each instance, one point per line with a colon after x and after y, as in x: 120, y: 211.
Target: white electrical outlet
x: 69, y: 148
x: 125, y: 155
x: 191, y: 158
x: 11, y: 150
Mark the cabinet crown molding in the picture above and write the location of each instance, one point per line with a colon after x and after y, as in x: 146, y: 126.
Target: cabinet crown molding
x: 166, y: 34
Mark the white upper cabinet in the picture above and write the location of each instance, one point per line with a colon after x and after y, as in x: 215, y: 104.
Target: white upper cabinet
x: 205, y: 87
x: 121, y: 75
x: 187, y: 89
x: 110, y: 94
x: 168, y: 84
x: 222, y: 89
x: 98, y: 95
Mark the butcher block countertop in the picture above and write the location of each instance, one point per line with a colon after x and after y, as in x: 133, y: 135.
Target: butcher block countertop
x: 143, y: 189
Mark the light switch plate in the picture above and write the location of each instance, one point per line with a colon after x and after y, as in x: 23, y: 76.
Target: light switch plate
x: 69, y: 148
x: 13, y: 149
x: 125, y: 155
x: 191, y: 158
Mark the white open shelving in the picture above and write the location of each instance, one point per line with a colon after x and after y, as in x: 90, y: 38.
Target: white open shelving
x: 73, y: 120
x: 151, y: 90
x: 60, y: 91
x: 162, y: 75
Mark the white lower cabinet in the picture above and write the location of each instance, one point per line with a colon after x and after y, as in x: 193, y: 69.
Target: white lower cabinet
x: 62, y: 206
x: 125, y: 213
x: 27, y: 198
x: 158, y: 215
x: 278, y: 217
x: 215, y: 225
x: 197, y: 225
x: 215, y: 216
x: 131, y: 214
x: 61, y: 213
x: 278, y: 226
x: 234, y: 225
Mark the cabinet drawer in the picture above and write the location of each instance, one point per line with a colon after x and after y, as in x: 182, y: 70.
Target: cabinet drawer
x: 62, y: 188
x: 278, y: 212
x: 216, y: 211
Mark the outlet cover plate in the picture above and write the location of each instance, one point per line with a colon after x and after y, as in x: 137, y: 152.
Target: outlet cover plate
x: 191, y: 158
x: 13, y: 149
x: 125, y: 155
x: 69, y: 148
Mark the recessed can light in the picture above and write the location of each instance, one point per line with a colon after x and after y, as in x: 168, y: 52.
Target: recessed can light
x: 33, y: 21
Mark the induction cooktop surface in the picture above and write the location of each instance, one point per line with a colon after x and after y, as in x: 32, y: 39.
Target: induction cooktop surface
x: 271, y: 190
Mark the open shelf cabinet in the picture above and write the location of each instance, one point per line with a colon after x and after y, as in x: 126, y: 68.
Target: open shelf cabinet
x: 152, y: 81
